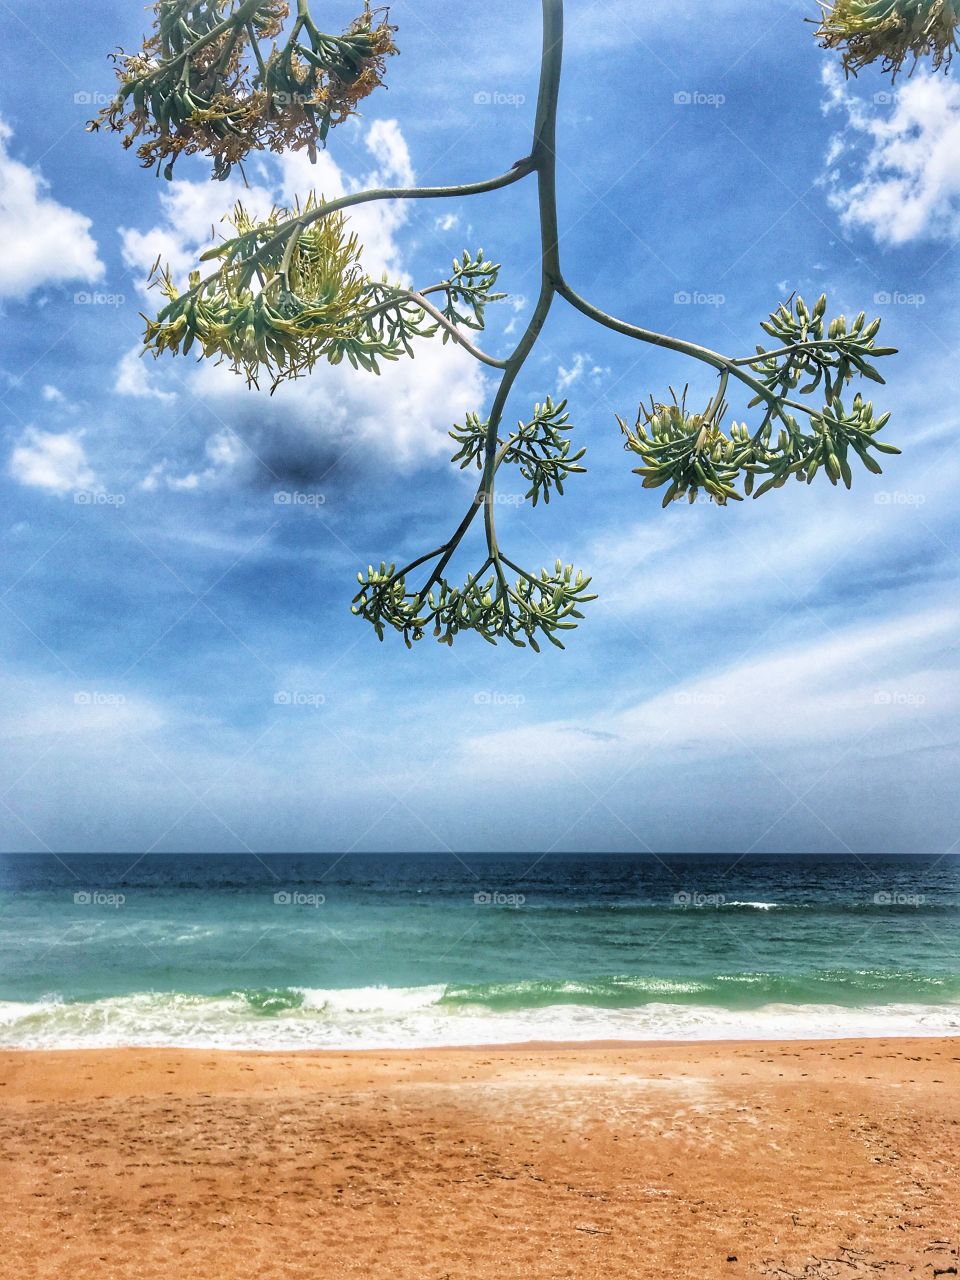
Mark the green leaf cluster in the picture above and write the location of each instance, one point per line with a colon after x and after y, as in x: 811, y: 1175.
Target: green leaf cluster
x: 686, y: 451
x: 540, y: 448
x: 470, y: 290
x: 813, y: 353
x: 520, y: 611
x: 691, y: 453
x: 290, y: 291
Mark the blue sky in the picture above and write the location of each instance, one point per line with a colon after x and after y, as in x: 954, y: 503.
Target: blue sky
x: 182, y: 670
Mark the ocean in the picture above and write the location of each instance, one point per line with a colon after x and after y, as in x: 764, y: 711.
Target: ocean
x: 376, y: 951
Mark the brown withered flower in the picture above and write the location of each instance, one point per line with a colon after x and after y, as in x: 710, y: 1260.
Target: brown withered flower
x: 214, y: 79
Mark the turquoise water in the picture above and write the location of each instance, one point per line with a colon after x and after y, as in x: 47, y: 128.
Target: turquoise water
x: 376, y: 951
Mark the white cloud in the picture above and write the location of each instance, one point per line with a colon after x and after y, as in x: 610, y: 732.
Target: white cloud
x: 700, y: 557
x: 52, y: 394
x: 55, y: 708
x: 406, y: 412
x: 43, y: 242
x: 907, y: 185
x: 886, y: 681
x: 567, y: 377
x: 193, y: 212
x: 133, y: 379
x: 582, y: 364
x: 56, y: 462
x: 224, y: 451
x: 192, y: 218
x: 687, y: 560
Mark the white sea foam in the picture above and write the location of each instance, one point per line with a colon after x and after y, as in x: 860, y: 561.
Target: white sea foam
x: 384, y: 1000
x: 413, y: 1017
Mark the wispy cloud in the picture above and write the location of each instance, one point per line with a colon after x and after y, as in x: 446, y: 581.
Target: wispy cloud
x: 55, y: 461
x: 134, y: 378
x: 895, y: 682
x: 895, y: 170
x: 44, y: 242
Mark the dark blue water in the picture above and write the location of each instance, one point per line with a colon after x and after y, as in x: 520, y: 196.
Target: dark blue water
x: 427, y: 949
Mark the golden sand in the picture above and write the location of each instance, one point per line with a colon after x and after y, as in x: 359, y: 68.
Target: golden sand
x: 837, y: 1159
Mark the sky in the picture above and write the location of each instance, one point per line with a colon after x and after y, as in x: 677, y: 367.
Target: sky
x: 181, y: 667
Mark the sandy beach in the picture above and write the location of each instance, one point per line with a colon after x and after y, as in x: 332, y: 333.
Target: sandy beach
x: 789, y: 1160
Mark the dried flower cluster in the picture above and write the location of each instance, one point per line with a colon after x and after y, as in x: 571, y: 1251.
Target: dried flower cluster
x: 213, y: 79
x: 892, y: 30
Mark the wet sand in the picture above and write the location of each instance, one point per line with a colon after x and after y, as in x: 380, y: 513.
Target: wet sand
x: 832, y: 1159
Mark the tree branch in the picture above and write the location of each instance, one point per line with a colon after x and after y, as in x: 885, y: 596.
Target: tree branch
x: 723, y: 364
x: 411, y: 295
x: 542, y: 160
x: 303, y: 220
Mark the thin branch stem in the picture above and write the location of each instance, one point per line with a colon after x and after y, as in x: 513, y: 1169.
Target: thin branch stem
x: 516, y: 568
x: 786, y: 351
x: 543, y: 161
x: 412, y: 295
x: 544, y: 158
x: 715, y: 406
x: 415, y: 564
x: 713, y: 358
x: 254, y: 45
x: 307, y: 218
x: 679, y: 345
